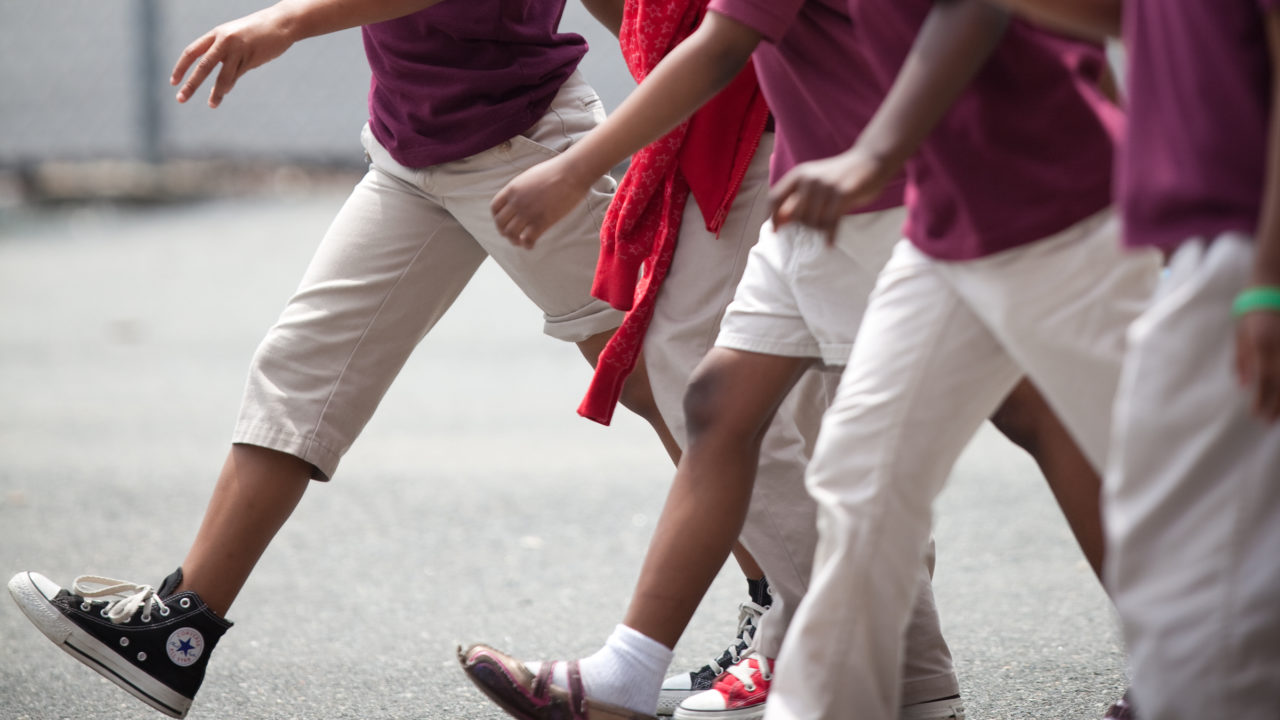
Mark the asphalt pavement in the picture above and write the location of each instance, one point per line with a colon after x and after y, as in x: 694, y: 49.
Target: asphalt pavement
x: 477, y: 506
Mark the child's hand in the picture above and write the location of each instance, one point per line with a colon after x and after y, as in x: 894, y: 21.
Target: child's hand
x: 821, y: 192
x: 239, y: 46
x: 1258, y: 361
x: 536, y: 199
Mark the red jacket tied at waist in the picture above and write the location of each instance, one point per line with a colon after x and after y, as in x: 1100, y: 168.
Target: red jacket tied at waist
x: 707, y: 156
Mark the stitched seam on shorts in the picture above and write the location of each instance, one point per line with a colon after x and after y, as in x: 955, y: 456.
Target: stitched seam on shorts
x: 260, y: 432
x: 835, y: 354
x: 749, y: 343
x: 274, y: 437
x: 745, y: 242
x: 337, y: 381
x: 587, y: 204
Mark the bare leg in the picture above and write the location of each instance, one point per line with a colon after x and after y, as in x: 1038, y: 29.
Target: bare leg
x: 256, y: 492
x: 726, y: 426
x: 637, y: 394
x: 1027, y: 420
x: 259, y: 488
x: 750, y: 568
x: 729, y: 404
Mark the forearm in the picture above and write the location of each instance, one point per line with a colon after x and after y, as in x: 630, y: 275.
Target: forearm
x: 687, y: 78
x: 302, y: 19
x: 1267, y: 258
x: 1091, y: 18
x: 607, y: 12
x: 953, y: 44
x: 240, y: 45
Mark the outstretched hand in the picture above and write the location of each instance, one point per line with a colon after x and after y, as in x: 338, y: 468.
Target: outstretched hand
x: 821, y: 192
x: 536, y: 199
x: 239, y: 46
x: 1258, y: 361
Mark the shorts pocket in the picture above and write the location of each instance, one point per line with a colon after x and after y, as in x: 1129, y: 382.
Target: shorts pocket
x: 568, y: 120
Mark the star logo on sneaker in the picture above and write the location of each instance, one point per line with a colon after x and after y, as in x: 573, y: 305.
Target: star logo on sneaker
x: 185, y: 646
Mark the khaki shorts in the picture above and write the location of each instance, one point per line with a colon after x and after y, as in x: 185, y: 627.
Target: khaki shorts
x: 395, y: 258
x: 801, y: 297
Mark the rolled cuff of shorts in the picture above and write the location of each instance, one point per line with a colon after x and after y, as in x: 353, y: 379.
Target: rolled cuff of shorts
x: 324, y: 460
x: 591, y: 320
x: 830, y: 354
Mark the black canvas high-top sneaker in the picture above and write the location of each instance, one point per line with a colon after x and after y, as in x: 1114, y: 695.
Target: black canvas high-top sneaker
x: 153, y: 643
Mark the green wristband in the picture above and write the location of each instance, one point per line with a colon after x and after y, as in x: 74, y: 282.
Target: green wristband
x: 1259, y: 297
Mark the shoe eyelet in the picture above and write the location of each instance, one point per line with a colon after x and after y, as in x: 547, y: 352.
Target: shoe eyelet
x: 185, y: 603
x: 146, y: 618
x: 142, y: 656
x: 85, y: 606
x: 164, y: 611
x: 124, y: 642
x: 751, y: 687
x: 102, y: 612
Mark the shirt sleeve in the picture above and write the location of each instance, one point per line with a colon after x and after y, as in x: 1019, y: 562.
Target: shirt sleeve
x: 770, y: 18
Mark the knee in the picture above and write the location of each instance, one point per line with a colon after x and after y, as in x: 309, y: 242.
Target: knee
x: 706, y: 403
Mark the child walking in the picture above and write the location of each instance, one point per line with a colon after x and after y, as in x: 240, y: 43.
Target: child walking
x: 800, y: 312
x: 1192, y: 502
x: 796, y: 307
x: 460, y: 103
x: 689, y: 208
x: 1193, y: 486
x: 1010, y: 265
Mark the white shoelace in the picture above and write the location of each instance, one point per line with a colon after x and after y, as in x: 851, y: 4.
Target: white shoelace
x: 129, y: 597
x: 748, y: 615
x: 743, y: 671
x: 748, y: 612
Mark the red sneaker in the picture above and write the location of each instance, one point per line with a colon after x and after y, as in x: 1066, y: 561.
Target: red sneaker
x: 739, y: 694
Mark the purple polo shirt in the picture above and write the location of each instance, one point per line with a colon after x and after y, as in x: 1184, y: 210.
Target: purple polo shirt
x: 1194, y: 161
x: 1024, y: 153
x: 815, y: 79
x: 464, y: 75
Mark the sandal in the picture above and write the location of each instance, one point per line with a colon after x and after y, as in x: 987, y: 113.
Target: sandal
x: 523, y: 695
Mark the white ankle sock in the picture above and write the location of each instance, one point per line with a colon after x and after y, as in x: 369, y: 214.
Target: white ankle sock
x: 627, y: 671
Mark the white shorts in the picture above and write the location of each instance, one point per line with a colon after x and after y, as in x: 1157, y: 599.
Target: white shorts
x: 402, y: 248
x: 800, y: 297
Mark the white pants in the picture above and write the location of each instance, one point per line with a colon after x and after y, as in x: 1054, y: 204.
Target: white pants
x: 797, y: 297
x: 1193, y: 504
x: 941, y: 346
